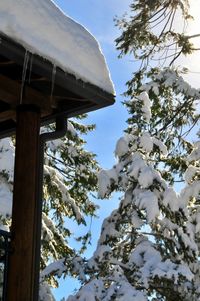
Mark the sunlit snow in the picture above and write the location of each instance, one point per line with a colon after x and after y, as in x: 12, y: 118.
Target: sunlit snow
x: 42, y: 28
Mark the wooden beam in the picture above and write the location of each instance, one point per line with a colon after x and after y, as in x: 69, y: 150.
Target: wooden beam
x: 7, y: 63
x: 57, y: 97
x: 10, y: 92
x: 6, y: 115
x: 22, y: 266
x: 39, y: 79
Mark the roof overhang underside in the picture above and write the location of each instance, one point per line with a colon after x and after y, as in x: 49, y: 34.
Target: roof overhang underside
x: 27, y: 78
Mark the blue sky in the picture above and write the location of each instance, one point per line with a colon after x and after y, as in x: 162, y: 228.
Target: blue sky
x: 97, y: 16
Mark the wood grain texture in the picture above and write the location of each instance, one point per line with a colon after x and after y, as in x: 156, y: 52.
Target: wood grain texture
x: 22, y: 272
x: 10, y: 92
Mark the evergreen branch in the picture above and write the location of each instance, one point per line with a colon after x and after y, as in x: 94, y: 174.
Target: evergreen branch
x: 155, y: 14
x: 193, y: 36
x: 175, y: 57
x: 166, y: 24
x: 156, y: 25
x: 172, y: 118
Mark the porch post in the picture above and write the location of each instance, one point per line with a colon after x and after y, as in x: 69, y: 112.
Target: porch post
x: 23, y: 268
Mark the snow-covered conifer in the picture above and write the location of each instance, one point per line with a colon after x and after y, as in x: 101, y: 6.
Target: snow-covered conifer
x: 149, y: 245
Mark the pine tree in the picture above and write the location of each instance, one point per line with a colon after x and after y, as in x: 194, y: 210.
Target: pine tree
x: 149, y: 246
x: 150, y: 35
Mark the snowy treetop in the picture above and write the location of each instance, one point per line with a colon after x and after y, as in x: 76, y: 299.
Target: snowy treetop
x: 43, y: 29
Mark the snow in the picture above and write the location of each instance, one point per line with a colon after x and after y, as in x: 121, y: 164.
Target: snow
x: 190, y: 172
x: 109, y: 228
x: 146, y: 107
x: 45, y: 293
x: 170, y: 198
x: 98, y: 290
x: 161, y: 146
x: 78, y: 268
x: 148, y: 201
x: 7, y: 153
x: 57, y: 267
x: 101, y: 251
x: 122, y: 147
x: 5, y: 199
x: 136, y: 165
x: 195, y: 154
x: 54, y: 145
x: 7, y: 157
x: 103, y: 183
x: 146, y: 177
x: 105, y: 179
x: 43, y: 29
x: 89, y: 292
x: 170, y: 78
x: 129, y: 293
x: 71, y: 129
x: 197, y: 222
x: 136, y: 221
x: 188, y: 192
x: 146, y: 142
x: 184, y: 238
x: 150, y: 263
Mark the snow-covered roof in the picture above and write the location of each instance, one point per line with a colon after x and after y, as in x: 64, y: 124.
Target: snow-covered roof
x: 43, y: 29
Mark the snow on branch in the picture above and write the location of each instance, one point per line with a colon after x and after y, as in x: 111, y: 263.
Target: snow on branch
x: 171, y: 78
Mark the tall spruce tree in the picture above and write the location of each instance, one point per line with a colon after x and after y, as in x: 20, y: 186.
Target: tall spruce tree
x: 149, y: 246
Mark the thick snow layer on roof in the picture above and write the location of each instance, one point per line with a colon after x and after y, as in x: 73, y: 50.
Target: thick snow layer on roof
x: 42, y: 28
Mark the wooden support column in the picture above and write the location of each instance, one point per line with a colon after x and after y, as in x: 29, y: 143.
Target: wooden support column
x: 23, y: 260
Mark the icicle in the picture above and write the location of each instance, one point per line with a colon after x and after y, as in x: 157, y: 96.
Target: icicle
x: 26, y: 60
x: 53, y: 81
x: 30, y: 70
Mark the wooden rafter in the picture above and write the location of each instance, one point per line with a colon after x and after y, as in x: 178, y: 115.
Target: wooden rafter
x: 6, y: 115
x: 10, y: 92
x: 6, y: 63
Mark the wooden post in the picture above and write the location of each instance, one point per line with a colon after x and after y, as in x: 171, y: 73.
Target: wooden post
x: 25, y: 240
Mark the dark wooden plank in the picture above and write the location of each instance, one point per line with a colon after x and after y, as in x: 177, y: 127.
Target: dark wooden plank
x: 22, y: 272
x: 6, y: 63
x: 6, y: 115
x: 10, y: 92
